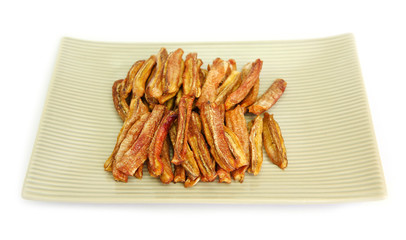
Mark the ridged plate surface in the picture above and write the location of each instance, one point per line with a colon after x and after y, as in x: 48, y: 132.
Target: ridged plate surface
x: 324, y: 117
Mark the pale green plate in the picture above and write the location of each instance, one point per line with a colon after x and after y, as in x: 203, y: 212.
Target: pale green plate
x: 324, y: 117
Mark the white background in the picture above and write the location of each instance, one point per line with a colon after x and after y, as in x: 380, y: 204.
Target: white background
x: 30, y: 35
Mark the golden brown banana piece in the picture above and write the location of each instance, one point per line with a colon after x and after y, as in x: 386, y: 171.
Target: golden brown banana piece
x: 256, y: 145
x: 190, y: 165
x: 200, y: 150
x: 214, y: 78
x: 167, y: 174
x: 185, y: 112
x: 155, y: 163
x: 154, y: 90
x: 227, y: 87
x: 142, y: 76
x: 172, y: 75
x: 191, y: 76
x: 128, y: 83
x: 269, y: 98
x: 138, y: 152
x: 251, y: 97
x: 238, y: 95
x: 137, y: 109
x: 273, y: 142
x: 118, y: 104
x: 214, y: 117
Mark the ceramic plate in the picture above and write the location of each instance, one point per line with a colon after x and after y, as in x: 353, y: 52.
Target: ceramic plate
x: 324, y: 117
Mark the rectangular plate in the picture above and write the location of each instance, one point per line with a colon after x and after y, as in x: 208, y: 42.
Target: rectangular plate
x: 324, y: 117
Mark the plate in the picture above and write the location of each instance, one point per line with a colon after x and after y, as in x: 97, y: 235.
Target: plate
x: 324, y: 117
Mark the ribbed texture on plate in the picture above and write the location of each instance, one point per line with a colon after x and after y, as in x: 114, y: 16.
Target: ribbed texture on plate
x: 323, y: 115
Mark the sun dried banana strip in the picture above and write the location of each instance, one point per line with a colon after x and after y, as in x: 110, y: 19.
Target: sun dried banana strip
x: 202, y: 77
x: 200, y: 150
x: 138, y: 152
x: 214, y: 78
x: 238, y: 95
x: 189, y: 164
x: 127, y: 142
x: 191, y: 182
x: 118, y: 104
x: 140, y: 172
x: 142, y: 76
x: 195, y: 118
x: 210, y: 141
x: 137, y: 109
x: 167, y: 174
x: 227, y: 87
x: 179, y: 95
x: 269, y: 98
x: 131, y: 136
x: 256, y: 145
x: 215, y: 119
x: 236, y: 148
x: 233, y: 64
x: 180, y: 174
x: 191, y: 75
x: 153, y: 90
x: 235, y: 120
x: 155, y: 164
x: 172, y: 75
x: 185, y: 112
x: 128, y: 83
x: 252, y: 96
x: 273, y: 142
x: 224, y: 176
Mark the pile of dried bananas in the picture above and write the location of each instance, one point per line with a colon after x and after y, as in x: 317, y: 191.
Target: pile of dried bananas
x: 202, y: 111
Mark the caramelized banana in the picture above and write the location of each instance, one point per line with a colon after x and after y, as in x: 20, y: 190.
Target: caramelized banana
x: 191, y: 182
x: 210, y: 141
x: 118, y: 104
x: 236, y: 148
x: 170, y: 104
x: 224, y: 176
x: 140, y: 172
x: 252, y: 96
x: 190, y: 164
x: 200, y: 150
x: 179, y: 95
x: 191, y: 81
x: 215, y: 119
x: 269, y: 98
x: 245, y: 87
x: 131, y: 136
x: 195, y: 118
x: 137, y: 109
x: 233, y: 64
x: 185, y: 111
x: 155, y: 164
x: 167, y: 174
x: 256, y: 145
x: 202, y: 77
x: 235, y: 120
x: 227, y: 87
x: 142, y: 76
x: 128, y: 83
x: 138, y: 152
x: 154, y: 87
x: 273, y: 142
x: 213, y: 80
x: 172, y: 75
x: 180, y: 174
